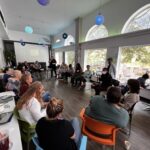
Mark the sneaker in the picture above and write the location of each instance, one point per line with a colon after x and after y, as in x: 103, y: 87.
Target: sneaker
x: 127, y: 145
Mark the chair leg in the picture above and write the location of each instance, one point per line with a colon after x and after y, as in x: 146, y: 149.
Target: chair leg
x: 113, y: 147
x: 130, y: 122
x: 103, y: 147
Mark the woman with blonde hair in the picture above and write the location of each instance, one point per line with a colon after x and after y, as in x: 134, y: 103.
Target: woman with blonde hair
x: 54, y: 132
x: 30, y: 104
x: 13, y: 83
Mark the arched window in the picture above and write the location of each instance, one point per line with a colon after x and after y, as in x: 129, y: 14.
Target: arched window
x: 96, y: 32
x: 69, y: 55
x: 95, y: 57
x: 139, y: 20
x: 135, y: 60
x: 69, y: 41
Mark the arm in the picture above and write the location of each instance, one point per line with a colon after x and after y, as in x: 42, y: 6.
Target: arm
x: 35, y: 109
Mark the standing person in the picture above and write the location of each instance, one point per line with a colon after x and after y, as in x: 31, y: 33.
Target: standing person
x: 53, y: 66
x: 111, y: 68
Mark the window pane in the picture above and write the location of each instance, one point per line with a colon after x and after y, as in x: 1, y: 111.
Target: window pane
x: 95, y: 58
x: 70, y: 57
x: 59, y: 57
x: 134, y: 62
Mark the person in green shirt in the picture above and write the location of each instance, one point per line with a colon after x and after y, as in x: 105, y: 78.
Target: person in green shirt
x: 107, y: 109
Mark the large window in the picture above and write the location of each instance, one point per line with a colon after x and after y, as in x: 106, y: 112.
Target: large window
x: 95, y: 57
x: 59, y: 57
x: 70, y: 57
x: 135, y: 60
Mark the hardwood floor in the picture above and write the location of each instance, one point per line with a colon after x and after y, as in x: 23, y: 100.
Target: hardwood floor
x: 75, y: 99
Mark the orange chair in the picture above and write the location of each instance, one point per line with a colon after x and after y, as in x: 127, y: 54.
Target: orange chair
x: 90, y: 126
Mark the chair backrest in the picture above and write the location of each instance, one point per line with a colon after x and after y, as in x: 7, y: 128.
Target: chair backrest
x: 98, y: 127
x: 98, y: 131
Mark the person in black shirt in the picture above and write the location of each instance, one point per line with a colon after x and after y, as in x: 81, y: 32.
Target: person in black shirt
x: 54, y: 132
x: 143, y: 79
x: 105, y: 82
x: 52, y: 66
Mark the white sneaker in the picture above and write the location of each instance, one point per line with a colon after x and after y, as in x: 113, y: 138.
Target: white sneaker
x: 127, y: 145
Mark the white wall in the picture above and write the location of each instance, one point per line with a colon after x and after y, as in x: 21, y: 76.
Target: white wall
x: 116, y: 13
x: 17, y: 36
x: 31, y: 53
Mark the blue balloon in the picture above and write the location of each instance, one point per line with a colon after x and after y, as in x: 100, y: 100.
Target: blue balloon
x: 43, y: 2
x: 28, y: 29
x: 99, y: 19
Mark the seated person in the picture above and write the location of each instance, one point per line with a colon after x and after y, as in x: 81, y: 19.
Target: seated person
x: 56, y: 133
x: 106, y: 81
x: 143, y: 79
x: 132, y: 96
x: 69, y: 72
x: 14, y: 82
x: 108, y: 110
x: 77, y: 75
x: 26, y: 65
x: 30, y: 104
x: 62, y: 70
x: 8, y: 72
x: 87, y: 73
x: 26, y: 81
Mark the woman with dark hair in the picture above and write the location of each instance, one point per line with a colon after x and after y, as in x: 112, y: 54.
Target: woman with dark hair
x: 26, y: 81
x: 108, y: 110
x: 132, y: 96
x: 77, y: 75
x: 56, y: 133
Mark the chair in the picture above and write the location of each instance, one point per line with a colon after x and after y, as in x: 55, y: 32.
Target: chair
x: 98, y: 131
x: 27, y: 130
x: 82, y: 145
x: 130, y: 111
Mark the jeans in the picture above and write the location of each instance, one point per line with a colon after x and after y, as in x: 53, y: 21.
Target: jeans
x: 77, y: 129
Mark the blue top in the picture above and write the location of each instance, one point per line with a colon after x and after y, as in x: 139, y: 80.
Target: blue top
x: 100, y: 109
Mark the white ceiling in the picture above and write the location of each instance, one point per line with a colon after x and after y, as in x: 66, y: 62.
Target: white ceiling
x: 46, y: 20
